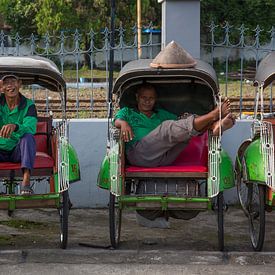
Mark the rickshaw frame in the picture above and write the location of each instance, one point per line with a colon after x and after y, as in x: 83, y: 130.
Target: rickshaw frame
x: 112, y: 176
x: 41, y: 71
x: 255, y: 160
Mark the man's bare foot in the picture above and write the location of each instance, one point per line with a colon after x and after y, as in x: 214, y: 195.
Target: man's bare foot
x: 225, y: 109
x: 226, y: 123
x: 207, y: 121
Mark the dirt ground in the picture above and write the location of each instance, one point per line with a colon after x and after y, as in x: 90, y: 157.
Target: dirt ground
x: 40, y: 229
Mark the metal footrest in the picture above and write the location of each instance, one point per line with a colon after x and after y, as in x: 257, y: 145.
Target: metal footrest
x: 175, y: 187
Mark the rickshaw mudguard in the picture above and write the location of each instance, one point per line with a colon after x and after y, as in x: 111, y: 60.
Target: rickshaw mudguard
x: 74, y: 168
x: 227, y: 177
x: 110, y: 175
x: 240, y: 156
x: 103, y: 178
x: 253, y: 164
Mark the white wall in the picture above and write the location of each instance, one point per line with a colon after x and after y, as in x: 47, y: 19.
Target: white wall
x: 88, y: 137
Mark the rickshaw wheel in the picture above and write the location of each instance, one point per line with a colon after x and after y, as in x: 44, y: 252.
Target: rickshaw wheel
x: 220, y: 210
x: 242, y: 190
x: 64, y: 215
x: 114, y: 221
x: 10, y: 213
x: 256, y: 212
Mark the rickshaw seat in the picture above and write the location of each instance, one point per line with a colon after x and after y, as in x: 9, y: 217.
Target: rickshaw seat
x: 44, y: 163
x: 193, y: 159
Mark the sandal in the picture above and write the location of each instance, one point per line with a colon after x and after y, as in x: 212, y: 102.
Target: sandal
x: 26, y: 190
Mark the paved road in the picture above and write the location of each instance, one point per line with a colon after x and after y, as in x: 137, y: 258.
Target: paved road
x: 94, y: 261
x: 29, y: 242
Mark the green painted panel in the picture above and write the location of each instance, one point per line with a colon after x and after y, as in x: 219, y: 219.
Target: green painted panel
x: 74, y: 169
x: 103, y: 179
x: 254, y: 162
x: 56, y: 182
x: 227, y: 177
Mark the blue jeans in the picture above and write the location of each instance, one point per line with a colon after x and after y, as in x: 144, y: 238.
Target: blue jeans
x: 24, y: 152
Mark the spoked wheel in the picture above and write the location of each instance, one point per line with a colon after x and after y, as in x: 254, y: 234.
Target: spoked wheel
x: 10, y: 189
x: 242, y: 190
x: 220, y: 210
x: 64, y: 215
x: 256, y: 214
x: 114, y: 221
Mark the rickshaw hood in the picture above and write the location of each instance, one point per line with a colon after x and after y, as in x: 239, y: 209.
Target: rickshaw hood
x: 140, y: 70
x: 34, y: 70
x: 265, y: 73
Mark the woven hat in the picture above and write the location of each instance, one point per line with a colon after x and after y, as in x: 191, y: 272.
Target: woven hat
x: 173, y: 56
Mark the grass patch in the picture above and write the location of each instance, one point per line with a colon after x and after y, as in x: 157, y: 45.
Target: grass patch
x: 6, y: 240
x: 87, y: 73
x: 23, y: 224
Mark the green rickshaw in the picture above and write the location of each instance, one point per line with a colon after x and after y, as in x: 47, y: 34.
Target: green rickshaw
x: 255, y: 160
x: 196, y: 180
x: 56, y: 160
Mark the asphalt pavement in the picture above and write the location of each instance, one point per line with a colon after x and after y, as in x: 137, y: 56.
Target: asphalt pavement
x: 29, y: 243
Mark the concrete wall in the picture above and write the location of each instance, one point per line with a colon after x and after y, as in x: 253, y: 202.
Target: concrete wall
x: 88, y: 136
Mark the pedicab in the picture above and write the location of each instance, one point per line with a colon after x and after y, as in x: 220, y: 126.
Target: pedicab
x: 196, y: 180
x: 56, y: 161
x: 255, y: 159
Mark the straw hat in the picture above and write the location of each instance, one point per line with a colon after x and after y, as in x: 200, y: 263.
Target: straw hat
x: 173, y: 56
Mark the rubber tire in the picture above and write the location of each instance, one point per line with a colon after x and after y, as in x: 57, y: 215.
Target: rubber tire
x: 114, y: 221
x: 10, y: 213
x: 64, y: 219
x: 259, y: 245
x: 243, y: 202
x: 220, y: 212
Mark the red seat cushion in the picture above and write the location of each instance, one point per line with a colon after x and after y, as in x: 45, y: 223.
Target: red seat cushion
x: 168, y: 169
x: 41, y: 143
x: 10, y: 166
x: 42, y: 160
x: 194, y: 158
x: 42, y: 127
x: 41, y: 137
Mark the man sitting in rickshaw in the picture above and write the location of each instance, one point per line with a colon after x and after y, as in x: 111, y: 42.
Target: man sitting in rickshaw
x: 17, y: 128
x: 155, y: 137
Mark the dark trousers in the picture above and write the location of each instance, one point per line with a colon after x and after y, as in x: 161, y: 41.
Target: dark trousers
x: 24, y: 152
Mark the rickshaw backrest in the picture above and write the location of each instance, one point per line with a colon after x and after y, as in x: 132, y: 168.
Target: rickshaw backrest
x: 43, y: 133
x: 195, y: 153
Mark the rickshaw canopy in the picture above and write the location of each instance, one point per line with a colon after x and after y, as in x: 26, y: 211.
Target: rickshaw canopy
x: 34, y: 70
x: 193, y: 88
x: 265, y: 73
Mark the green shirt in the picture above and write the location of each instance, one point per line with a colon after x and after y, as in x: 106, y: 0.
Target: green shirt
x: 24, y: 116
x: 140, y: 123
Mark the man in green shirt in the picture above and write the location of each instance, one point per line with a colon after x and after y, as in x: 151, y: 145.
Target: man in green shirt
x: 155, y: 137
x: 18, y: 120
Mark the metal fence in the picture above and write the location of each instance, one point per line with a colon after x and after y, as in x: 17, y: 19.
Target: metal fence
x: 235, y: 53
x: 83, y: 59
x: 81, y: 56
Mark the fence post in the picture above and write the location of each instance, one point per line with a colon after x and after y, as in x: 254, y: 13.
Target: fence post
x: 181, y: 22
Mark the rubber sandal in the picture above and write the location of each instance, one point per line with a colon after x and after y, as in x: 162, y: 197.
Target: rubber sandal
x: 26, y: 190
